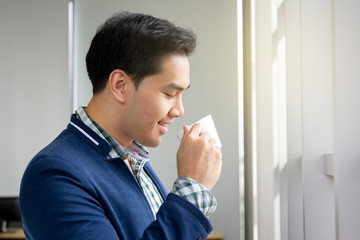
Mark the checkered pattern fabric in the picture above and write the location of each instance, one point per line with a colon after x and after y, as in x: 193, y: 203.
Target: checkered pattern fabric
x: 195, y: 193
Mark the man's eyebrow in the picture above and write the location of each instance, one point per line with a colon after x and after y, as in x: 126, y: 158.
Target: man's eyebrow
x: 177, y: 87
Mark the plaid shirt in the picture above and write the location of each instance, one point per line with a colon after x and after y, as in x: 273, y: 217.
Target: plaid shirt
x: 135, y: 156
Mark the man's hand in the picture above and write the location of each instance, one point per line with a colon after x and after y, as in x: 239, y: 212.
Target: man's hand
x: 199, y: 157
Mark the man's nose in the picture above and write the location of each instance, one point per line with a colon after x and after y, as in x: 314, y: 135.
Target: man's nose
x: 178, y: 109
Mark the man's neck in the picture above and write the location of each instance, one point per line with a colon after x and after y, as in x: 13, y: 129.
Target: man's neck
x: 107, y: 114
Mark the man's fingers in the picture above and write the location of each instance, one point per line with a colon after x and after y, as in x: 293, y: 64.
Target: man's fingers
x: 186, y: 129
x: 195, y: 129
x: 206, y: 136
x: 213, y: 141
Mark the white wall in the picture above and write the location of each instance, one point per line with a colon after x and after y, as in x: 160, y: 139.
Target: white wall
x: 214, y: 85
x: 34, y: 95
x: 303, y: 61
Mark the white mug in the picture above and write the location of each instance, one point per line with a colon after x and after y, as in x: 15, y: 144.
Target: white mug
x: 207, y: 125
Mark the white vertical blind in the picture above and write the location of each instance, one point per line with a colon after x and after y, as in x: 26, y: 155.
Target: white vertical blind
x: 318, y: 123
x: 294, y: 121
x: 347, y: 116
x: 322, y: 108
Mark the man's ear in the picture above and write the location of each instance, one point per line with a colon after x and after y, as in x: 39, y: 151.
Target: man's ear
x: 119, y: 84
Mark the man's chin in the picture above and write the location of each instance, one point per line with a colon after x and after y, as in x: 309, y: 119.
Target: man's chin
x: 151, y: 142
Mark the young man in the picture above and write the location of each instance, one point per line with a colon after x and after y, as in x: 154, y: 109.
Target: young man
x: 94, y: 180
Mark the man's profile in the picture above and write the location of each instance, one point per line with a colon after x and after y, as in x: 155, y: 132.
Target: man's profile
x: 94, y: 181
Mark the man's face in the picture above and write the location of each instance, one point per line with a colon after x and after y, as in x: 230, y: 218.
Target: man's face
x: 157, y: 101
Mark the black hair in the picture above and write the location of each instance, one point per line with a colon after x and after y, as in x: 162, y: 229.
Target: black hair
x: 136, y: 44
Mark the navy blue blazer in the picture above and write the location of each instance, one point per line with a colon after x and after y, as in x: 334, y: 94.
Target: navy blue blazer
x: 70, y: 190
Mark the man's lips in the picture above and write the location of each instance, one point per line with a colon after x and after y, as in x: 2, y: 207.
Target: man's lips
x: 163, y: 126
x: 165, y: 123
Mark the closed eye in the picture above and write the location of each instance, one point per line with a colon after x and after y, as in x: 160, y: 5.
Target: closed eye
x: 169, y: 95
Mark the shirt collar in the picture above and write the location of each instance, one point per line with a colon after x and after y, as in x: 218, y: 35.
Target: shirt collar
x: 138, y: 153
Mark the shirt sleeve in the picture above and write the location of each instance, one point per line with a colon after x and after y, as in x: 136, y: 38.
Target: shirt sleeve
x: 196, y: 193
